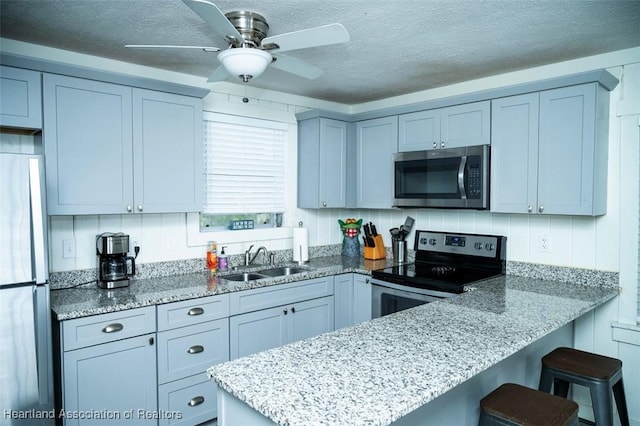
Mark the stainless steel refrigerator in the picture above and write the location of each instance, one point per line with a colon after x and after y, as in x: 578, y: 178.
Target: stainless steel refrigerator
x: 26, y: 382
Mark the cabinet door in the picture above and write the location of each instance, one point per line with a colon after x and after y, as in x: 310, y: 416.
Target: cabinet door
x: 377, y: 141
x: 257, y: 331
x: 167, y: 152
x: 333, y: 163
x: 514, y: 154
x: 88, y: 146
x: 361, y: 298
x: 20, y: 98
x: 419, y: 131
x: 322, y: 163
x: 310, y: 318
x: 466, y: 125
x: 343, y: 301
x: 116, y: 378
x: 566, y: 153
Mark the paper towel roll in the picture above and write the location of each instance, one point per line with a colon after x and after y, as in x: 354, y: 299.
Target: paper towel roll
x: 300, y: 245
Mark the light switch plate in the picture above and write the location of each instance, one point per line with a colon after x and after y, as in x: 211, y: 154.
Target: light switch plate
x: 68, y: 249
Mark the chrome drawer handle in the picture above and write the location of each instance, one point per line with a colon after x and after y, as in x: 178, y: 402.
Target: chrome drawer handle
x: 196, y: 400
x: 195, y: 311
x: 195, y: 349
x: 112, y: 328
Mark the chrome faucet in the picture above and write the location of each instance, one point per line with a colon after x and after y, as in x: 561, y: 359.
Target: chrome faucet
x: 248, y: 259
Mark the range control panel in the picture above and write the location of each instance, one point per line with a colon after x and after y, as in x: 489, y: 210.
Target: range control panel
x: 468, y: 244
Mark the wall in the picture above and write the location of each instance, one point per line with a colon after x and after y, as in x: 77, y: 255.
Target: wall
x: 610, y: 242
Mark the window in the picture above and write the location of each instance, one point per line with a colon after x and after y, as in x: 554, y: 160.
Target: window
x: 244, y: 171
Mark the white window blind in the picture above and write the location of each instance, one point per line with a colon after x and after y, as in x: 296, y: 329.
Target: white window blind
x: 244, y: 165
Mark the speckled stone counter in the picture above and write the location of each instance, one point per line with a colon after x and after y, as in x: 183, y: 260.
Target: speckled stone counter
x: 70, y: 303
x: 379, y: 371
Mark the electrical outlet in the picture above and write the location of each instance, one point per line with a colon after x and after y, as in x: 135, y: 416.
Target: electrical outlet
x: 545, y: 244
x: 68, y: 249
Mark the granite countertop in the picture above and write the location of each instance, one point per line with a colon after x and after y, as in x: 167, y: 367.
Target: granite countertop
x: 70, y: 303
x: 377, y: 372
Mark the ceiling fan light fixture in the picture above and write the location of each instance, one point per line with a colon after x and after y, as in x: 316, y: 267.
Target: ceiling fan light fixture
x: 245, y: 62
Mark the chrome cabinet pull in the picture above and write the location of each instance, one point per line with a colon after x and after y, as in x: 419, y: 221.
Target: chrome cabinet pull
x: 293, y: 309
x: 139, y: 207
x: 286, y: 311
x: 151, y: 341
x: 435, y: 144
x: 196, y: 349
x: 195, y: 311
x: 112, y: 328
x: 196, y: 400
x: 541, y: 209
x: 129, y: 208
x: 529, y: 209
x: 442, y: 144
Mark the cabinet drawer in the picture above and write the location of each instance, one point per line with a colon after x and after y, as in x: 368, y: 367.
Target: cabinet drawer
x: 189, y: 401
x: 97, y: 329
x: 190, y: 350
x: 262, y: 298
x: 190, y: 312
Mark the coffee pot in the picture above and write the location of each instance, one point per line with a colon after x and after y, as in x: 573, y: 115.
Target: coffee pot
x: 113, y: 261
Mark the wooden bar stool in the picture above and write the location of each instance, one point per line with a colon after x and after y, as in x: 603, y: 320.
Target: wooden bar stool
x: 512, y: 404
x: 599, y: 373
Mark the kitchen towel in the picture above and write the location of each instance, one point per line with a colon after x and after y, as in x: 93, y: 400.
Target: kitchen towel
x: 300, y: 244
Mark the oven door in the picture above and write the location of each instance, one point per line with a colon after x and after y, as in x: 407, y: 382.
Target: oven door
x: 388, y: 298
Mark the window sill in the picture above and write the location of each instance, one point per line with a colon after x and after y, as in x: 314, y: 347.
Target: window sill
x: 196, y: 238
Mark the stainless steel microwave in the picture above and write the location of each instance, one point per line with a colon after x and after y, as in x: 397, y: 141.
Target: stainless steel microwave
x: 456, y: 178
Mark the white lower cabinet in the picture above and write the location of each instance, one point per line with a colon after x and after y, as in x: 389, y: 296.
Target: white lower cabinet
x: 193, y: 335
x: 275, y: 316
x: 352, y: 299
x: 108, y: 376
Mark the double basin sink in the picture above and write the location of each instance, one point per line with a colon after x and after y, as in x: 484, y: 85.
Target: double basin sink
x: 266, y: 273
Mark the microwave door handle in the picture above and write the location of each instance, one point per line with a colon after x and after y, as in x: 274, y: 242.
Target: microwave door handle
x: 461, y: 170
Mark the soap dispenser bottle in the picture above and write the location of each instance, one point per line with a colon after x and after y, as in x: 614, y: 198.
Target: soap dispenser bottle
x: 223, y: 260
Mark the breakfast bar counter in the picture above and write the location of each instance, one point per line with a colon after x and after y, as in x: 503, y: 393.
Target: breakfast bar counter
x: 386, y: 370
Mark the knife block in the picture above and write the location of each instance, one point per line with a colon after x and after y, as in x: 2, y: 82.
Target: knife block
x: 377, y: 251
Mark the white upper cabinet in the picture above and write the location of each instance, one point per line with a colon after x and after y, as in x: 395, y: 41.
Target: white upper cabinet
x: 451, y: 127
x: 111, y: 149
x: 20, y: 98
x: 377, y: 141
x: 549, y: 152
x: 322, y: 163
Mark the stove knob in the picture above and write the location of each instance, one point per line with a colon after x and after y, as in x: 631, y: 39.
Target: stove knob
x: 478, y: 246
x: 423, y: 241
x: 489, y: 246
x: 432, y: 241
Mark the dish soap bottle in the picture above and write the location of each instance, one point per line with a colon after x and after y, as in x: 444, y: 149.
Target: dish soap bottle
x: 212, y: 250
x: 223, y: 260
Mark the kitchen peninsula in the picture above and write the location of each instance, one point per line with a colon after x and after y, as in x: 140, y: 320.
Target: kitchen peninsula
x: 434, y: 362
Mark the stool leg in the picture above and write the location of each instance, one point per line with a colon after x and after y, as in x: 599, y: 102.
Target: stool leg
x: 602, y: 403
x: 621, y: 402
x: 546, y: 380
x: 560, y: 388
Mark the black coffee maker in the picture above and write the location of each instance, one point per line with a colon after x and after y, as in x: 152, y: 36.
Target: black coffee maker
x: 115, y: 267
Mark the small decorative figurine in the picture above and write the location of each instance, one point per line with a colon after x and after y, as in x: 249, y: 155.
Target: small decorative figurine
x: 350, y: 244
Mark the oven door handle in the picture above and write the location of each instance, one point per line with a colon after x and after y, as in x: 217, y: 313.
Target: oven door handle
x: 461, y: 170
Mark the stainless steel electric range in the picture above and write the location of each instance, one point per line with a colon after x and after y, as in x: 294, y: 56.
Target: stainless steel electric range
x: 445, y: 264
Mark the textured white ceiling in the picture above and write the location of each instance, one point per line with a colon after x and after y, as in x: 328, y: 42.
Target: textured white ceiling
x: 396, y: 47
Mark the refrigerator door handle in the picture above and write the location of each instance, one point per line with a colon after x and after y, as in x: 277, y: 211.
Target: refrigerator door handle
x: 37, y: 221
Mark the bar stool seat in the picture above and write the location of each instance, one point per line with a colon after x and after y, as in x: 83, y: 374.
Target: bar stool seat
x: 513, y: 404
x: 601, y: 374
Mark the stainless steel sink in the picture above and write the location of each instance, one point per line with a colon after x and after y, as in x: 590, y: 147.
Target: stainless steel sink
x: 246, y: 276
x: 285, y: 270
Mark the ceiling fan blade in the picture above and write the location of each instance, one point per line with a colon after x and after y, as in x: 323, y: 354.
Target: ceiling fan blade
x: 311, y: 37
x: 170, y: 46
x: 296, y: 66
x: 220, y: 74
x: 210, y: 13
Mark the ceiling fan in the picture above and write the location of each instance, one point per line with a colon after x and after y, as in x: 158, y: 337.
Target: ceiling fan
x: 250, y: 50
